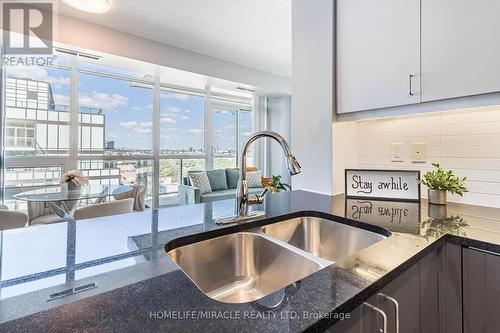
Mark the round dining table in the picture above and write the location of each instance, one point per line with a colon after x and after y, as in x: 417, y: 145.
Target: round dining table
x: 60, y: 200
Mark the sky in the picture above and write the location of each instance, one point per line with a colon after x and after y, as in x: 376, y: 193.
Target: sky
x: 128, y: 111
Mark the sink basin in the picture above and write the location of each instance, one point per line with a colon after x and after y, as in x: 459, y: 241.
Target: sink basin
x: 241, y: 267
x: 323, y: 238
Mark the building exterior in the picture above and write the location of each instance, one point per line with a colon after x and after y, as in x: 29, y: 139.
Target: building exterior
x: 36, y: 128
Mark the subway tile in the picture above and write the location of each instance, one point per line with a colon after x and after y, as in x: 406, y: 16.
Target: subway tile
x: 479, y: 175
x: 479, y: 115
x: 468, y: 163
x: 470, y: 140
x: 434, y: 120
x: 468, y: 129
x: 483, y: 187
x: 467, y: 141
x: 471, y: 151
x: 423, y: 131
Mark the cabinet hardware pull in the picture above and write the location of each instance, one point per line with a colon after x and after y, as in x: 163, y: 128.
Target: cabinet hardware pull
x: 484, y: 251
x: 410, y: 78
x: 382, y: 313
x: 396, y: 308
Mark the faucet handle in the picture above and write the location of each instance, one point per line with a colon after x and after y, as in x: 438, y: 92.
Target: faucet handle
x: 255, y: 199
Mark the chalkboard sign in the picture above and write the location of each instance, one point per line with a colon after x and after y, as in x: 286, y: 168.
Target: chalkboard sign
x: 397, y: 216
x: 382, y: 184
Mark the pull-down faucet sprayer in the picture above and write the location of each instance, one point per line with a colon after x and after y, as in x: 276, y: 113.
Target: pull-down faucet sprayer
x: 243, y: 198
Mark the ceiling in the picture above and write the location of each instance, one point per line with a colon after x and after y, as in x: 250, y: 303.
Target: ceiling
x: 253, y: 33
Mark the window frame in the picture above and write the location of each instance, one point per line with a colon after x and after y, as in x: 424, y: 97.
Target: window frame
x: 68, y: 161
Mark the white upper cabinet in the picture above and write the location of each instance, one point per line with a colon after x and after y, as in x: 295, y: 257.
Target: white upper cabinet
x: 378, y: 54
x: 460, y: 48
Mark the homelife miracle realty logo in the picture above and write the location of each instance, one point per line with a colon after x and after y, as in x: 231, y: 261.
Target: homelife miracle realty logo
x: 27, y: 27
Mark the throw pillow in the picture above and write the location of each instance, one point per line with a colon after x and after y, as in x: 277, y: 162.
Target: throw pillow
x: 254, y: 179
x: 217, y: 179
x: 200, y: 180
x: 233, y: 175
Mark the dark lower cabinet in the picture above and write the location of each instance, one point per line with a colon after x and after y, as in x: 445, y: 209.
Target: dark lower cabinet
x: 481, y: 291
x: 451, y: 290
x: 398, y: 306
x: 400, y: 301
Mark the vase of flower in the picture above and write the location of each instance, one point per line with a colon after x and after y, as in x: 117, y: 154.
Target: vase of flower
x: 73, y: 179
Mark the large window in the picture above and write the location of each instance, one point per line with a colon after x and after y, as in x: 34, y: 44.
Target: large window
x: 116, y: 116
x: 109, y: 127
x: 36, y: 111
x: 181, y: 123
x: 173, y: 170
x: 245, y: 130
x: 231, y: 129
x: 225, y: 133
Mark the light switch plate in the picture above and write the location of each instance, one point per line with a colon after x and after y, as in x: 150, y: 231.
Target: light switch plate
x: 397, y: 152
x: 418, y: 152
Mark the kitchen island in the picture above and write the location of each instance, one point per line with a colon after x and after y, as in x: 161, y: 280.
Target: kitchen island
x: 112, y: 273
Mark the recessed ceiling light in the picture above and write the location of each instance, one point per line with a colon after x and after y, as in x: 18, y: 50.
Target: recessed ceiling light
x: 90, y: 6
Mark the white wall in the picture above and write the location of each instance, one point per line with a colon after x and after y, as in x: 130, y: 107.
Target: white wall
x: 345, y: 152
x: 467, y: 141
x: 312, y: 93
x: 80, y: 34
x: 279, y: 112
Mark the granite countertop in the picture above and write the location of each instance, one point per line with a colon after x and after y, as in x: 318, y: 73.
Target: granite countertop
x: 128, y: 283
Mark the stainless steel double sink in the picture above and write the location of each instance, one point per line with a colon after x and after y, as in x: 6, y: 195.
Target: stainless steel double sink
x: 246, y: 266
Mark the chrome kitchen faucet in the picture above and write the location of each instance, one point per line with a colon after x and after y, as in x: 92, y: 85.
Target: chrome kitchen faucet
x: 243, y: 198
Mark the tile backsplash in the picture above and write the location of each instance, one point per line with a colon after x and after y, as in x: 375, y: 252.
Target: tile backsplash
x: 467, y: 141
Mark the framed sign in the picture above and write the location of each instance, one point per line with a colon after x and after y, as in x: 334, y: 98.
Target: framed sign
x: 399, y: 185
x: 397, y: 216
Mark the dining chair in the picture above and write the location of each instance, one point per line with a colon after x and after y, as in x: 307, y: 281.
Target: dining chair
x: 11, y: 219
x: 105, y: 209
x: 39, y: 214
x: 138, y: 193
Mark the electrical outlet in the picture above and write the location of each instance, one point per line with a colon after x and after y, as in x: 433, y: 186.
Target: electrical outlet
x: 397, y: 152
x: 419, y: 152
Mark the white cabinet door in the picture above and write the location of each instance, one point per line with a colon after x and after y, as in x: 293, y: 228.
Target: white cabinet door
x: 378, y: 48
x: 460, y: 48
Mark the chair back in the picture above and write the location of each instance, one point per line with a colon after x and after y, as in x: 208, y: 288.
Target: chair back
x: 37, y: 209
x: 138, y: 193
x: 105, y: 209
x: 11, y: 220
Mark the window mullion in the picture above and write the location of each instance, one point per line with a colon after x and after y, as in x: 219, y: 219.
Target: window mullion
x: 73, y: 115
x: 156, y: 144
x: 237, y: 139
x: 208, y: 133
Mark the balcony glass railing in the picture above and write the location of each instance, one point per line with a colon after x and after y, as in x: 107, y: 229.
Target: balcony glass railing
x: 81, y: 109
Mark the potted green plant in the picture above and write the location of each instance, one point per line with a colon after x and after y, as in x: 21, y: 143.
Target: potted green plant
x: 439, y: 182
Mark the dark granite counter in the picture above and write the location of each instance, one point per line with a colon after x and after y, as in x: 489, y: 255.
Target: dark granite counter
x: 128, y: 284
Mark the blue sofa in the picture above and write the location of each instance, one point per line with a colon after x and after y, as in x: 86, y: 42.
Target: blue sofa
x: 223, y: 183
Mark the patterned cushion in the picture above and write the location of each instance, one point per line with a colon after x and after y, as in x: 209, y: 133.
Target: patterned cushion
x: 200, y: 180
x: 254, y: 179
